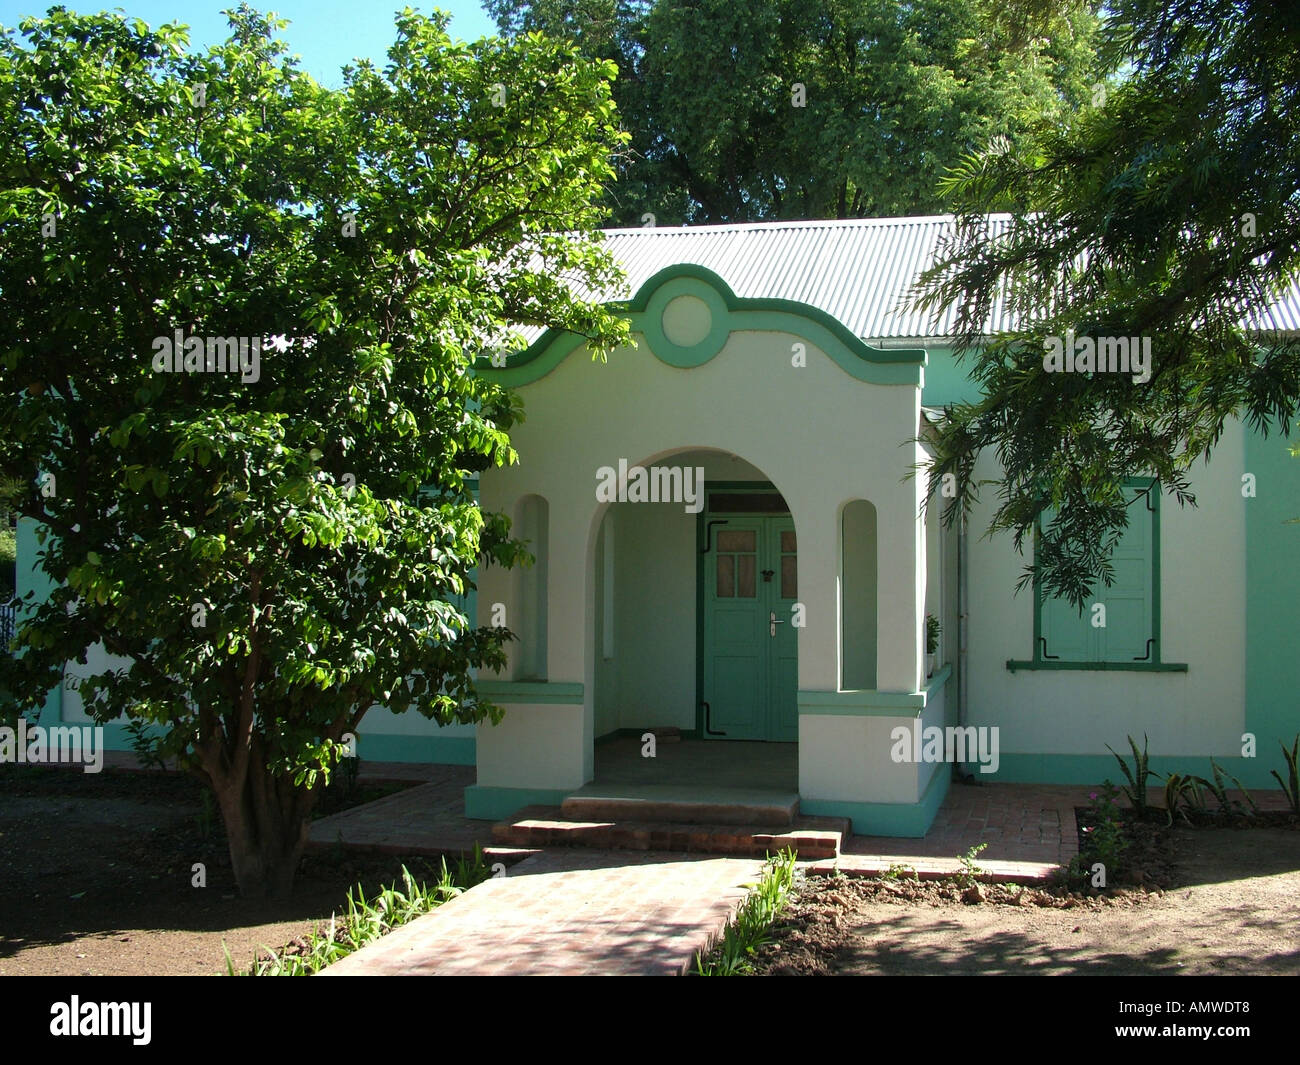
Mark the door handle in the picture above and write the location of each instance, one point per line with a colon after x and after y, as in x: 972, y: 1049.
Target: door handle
x: 773, y: 622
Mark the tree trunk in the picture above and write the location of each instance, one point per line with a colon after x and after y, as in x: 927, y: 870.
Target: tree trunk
x: 267, y: 824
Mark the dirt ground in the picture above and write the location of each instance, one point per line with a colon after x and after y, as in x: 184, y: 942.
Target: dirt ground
x: 96, y: 871
x: 1228, y: 903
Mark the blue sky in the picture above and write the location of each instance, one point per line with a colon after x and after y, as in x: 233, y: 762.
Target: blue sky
x: 326, y: 33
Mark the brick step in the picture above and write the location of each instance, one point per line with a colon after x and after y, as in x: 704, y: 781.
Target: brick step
x: 657, y: 804
x: 813, y: 838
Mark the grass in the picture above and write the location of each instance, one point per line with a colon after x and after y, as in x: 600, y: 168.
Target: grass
x: 365, y: 921
x: 751, y: 928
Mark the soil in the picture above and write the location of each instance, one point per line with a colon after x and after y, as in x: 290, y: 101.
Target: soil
x: 1216, y: 901
x: 96, y: 877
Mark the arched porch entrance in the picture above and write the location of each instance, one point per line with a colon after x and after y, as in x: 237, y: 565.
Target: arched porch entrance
x: 694, y: 656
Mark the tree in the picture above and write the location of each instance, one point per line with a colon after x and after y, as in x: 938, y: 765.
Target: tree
x: 276, y: 547
x: 778, y: 109
x: 1169, y: 213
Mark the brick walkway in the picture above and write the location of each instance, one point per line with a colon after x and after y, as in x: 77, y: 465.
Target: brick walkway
x: 581, y: 911
x: 1019, y: 822
x: 569, y: 913
x: 1030, y: 825
x: 426, y: 819
x: 1029, y: 830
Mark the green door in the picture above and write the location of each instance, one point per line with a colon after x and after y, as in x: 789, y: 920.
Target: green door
x: 751, y: 652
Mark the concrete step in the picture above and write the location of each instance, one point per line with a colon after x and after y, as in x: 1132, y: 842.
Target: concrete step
x: 813, y: 838
x: 683, y: 805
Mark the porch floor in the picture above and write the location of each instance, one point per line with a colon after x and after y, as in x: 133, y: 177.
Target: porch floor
x: 760, y: 767
x: 1029, y: 828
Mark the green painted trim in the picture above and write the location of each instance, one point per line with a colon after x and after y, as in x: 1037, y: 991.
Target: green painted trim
x: 516, y: 691
x: 487, y: 803
x: 880, y: 366
x: 116, y: 738
x: 1155, y: 665
x: 729, y: 486
x: 701, y: 530
x: 861, y: 704
x: 686, y: 357
x: 1015, y: 665
x: 1272, y: 588
x: 436, y: 750
x: 939, y: 679
x: 903, y: 820
x: 371, y: 747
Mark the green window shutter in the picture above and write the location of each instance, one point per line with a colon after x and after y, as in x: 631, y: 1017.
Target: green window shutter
x: 1068, y: 636
x: 1130, y: 611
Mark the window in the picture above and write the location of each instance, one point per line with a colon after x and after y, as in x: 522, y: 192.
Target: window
x: 1119, y: 627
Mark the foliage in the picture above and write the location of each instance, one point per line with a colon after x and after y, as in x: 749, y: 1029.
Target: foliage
x: 1218, y: 788
x: 1182, y: 789
x: 1136, y: 790
x: 970, y: 869
x: 273, y: 553
x: 1104, y: 841
x: 1291, y: 786
x: 1169, y: 212
x: 8, y: 564
x: 751, y: 927
x: 347, y: 775
x: 933, y: 629
x: 367, y: 920
x: 893, y: 95
x: 205, y: 819
x: 147, y: 745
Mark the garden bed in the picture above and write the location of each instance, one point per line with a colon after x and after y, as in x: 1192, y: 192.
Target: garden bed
x: 1218, y: 901
x: 98, y: 868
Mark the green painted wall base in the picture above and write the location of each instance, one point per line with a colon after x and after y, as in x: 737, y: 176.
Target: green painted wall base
x: 903, y: 820
x: 486, y: 803
x: 1092, y: 769
x: 440, y: 750
x: 436, y: 750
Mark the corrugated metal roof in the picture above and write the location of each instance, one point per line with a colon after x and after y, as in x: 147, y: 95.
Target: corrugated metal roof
x: 857, y: 270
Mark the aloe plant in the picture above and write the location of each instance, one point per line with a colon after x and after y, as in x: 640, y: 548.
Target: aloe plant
x: 1136, y: 791
x: 1290, y: 786
x: 1218, y: 787
x: 1180, y: 787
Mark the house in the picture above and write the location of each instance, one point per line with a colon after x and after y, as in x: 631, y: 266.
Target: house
x: 728, y: 544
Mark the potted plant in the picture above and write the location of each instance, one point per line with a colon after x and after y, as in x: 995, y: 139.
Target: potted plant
x: 932, y: 631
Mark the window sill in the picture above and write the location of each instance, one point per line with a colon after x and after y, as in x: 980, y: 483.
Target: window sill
x: 1101, y: 667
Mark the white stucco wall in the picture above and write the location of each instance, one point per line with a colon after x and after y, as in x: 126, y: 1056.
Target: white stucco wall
x: 1202, y: 591
x: 819, y: 435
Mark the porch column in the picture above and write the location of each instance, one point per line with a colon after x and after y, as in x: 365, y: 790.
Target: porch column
x: 900, y: 597
x: 846, y: 747
x: 543, y: 748
x: 818, y: 546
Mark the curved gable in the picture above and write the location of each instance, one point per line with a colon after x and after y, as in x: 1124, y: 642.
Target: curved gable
x: 686, y: 313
